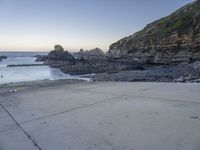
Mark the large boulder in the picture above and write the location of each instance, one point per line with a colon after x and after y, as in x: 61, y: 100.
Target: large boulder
x: 173, y: 39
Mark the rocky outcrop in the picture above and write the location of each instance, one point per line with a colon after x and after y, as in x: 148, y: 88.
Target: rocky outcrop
x: 93, y: 56
x: 173, y: 39
x: 2, y: 57
x: 57, y: 63
x: 167, y: 50
x: 87, y: 62
x: 60, y: 55
x: 58, y: 58
x: 160, y: 73
x: 110, y: 67
x: 96, y: 61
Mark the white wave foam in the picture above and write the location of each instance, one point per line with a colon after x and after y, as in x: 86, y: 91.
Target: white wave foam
x: 3, y: 65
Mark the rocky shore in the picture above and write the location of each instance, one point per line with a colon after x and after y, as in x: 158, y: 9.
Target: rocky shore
x: 179, y: 73
x: 167, y: 50
x: 104, y: 68
x: 87, y: 62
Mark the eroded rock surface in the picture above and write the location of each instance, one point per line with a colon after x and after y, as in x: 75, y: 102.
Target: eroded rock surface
x: 93, y: 56
x: 173, y: 39
x: 59, y: 57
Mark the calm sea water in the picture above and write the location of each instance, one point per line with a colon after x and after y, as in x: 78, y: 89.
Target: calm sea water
x: 30, y: 73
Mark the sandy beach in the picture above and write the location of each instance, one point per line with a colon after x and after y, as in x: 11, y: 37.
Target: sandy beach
x: 74, y: 115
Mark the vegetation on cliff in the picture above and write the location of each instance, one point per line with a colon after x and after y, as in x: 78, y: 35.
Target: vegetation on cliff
x: 173, y: 38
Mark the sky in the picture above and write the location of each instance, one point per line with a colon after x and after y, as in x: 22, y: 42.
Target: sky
x: 37, y: 25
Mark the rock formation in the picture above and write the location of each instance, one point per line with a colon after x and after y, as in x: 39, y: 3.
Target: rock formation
x: 158, y: 73
x: 81, y: 69
x: 2, y: 57
x: 91, y: 61
x: 173, y: 39
x: 166, y: 50
x: 59, y: 57
x: 93, y: 56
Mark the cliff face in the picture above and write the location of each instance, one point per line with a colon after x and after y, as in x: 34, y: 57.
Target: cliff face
x: 173, y: 39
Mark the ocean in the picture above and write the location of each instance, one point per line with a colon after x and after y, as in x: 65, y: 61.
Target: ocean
x: 28, y: 73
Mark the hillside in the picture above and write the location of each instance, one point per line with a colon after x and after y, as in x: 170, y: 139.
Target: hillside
x: 172, y: 39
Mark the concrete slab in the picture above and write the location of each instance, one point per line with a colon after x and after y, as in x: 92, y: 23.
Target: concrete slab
x: 39, y: 104
x: 108, y: 116
x: 170, y: 91
x: 121, y: 125
x: 11, y: 136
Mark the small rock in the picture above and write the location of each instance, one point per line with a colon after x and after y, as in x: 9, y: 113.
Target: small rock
x: 127, y: 116
x: 194, y: 117
x: 13, y: 90
x: 58, y: 48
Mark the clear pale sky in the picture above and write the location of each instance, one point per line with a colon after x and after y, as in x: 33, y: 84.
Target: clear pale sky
x: 40, y: 24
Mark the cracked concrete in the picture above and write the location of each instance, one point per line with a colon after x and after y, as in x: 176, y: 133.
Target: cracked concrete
x: 12, y: 136
x: 102, y: 116
x: 20, y: 127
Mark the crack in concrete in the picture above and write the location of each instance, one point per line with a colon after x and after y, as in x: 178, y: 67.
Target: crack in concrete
x: 73, y: 109
x: 152, y: 98
x: 22, y: 129
x: 166, y: 99
x: 111, y: 99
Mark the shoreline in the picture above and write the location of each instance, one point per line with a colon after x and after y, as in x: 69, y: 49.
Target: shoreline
x: 103, y: 68
x: 9, y: 88
x: 21, y: 86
